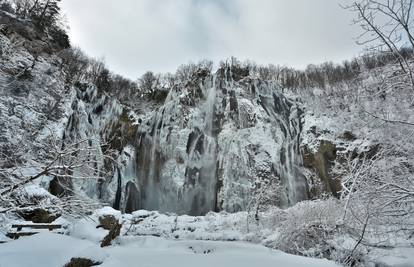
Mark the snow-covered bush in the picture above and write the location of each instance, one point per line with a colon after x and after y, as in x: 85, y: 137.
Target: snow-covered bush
x: 308, y: 227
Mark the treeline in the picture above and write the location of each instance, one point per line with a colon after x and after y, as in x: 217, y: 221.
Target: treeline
x: 313, y: 76
x: 327, y: 74
x: 151, y: 86
x: 156, y: 86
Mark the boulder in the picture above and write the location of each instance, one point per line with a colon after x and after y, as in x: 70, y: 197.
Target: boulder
x: 349, y: 136
x: 81, y: 262
x: 107, y: 221
x: 38, y: 215
x: 113, y: 233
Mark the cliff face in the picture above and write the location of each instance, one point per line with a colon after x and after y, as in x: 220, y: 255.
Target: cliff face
x: 220, y: 142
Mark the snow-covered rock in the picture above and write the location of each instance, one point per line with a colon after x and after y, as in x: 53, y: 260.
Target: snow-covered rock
x: 216, y: 142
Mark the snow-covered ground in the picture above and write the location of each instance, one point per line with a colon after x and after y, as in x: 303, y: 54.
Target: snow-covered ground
x: 48, y: 249
x: 150, y: 238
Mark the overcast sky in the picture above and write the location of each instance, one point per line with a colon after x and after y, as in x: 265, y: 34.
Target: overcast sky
x: 159, y: 35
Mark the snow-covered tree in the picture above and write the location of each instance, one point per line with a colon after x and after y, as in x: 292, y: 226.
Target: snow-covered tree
x: 387, y: 27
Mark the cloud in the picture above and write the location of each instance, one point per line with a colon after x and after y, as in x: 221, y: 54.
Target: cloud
x: 139, y: 35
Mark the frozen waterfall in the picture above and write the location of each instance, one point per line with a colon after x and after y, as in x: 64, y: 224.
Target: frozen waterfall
x: 223, y: 141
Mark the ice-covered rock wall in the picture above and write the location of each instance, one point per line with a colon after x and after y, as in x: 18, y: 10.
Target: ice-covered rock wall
x: 87, y: 132
x: 219, y: 142
x: 223, y: 141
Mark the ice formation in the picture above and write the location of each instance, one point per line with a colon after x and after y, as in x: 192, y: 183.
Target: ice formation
x: 219, y: 142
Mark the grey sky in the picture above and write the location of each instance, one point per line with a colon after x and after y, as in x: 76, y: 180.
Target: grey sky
x: 139, y: 35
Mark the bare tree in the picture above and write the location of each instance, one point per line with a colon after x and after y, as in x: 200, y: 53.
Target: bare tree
x: 79, y: 160
x: 147, y: 82
x: 74, y: 64
x: 387, y: 26
x: 377, y: 191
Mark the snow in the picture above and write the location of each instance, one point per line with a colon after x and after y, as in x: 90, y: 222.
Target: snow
x: 108, y: 211
x: 85, y: 229
x: 44, y: 249
x: 36, y: 191
x: 47, y: 249
x: 399, y: 257
x: 151, y: 238
x: 151, y: 251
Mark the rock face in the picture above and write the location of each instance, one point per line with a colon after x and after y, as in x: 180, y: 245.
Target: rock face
x: 132, y: 197
x: 90, y: 126
x: 321, y: 162
x: 222, y: 141
x: 215, y: 143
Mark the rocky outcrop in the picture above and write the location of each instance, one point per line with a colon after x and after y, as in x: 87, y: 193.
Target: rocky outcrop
x: 321, y: 162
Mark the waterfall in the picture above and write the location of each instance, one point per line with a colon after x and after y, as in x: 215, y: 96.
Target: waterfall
x: 211, y: 144
x: 296, y: 184
x: 210, y: 108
